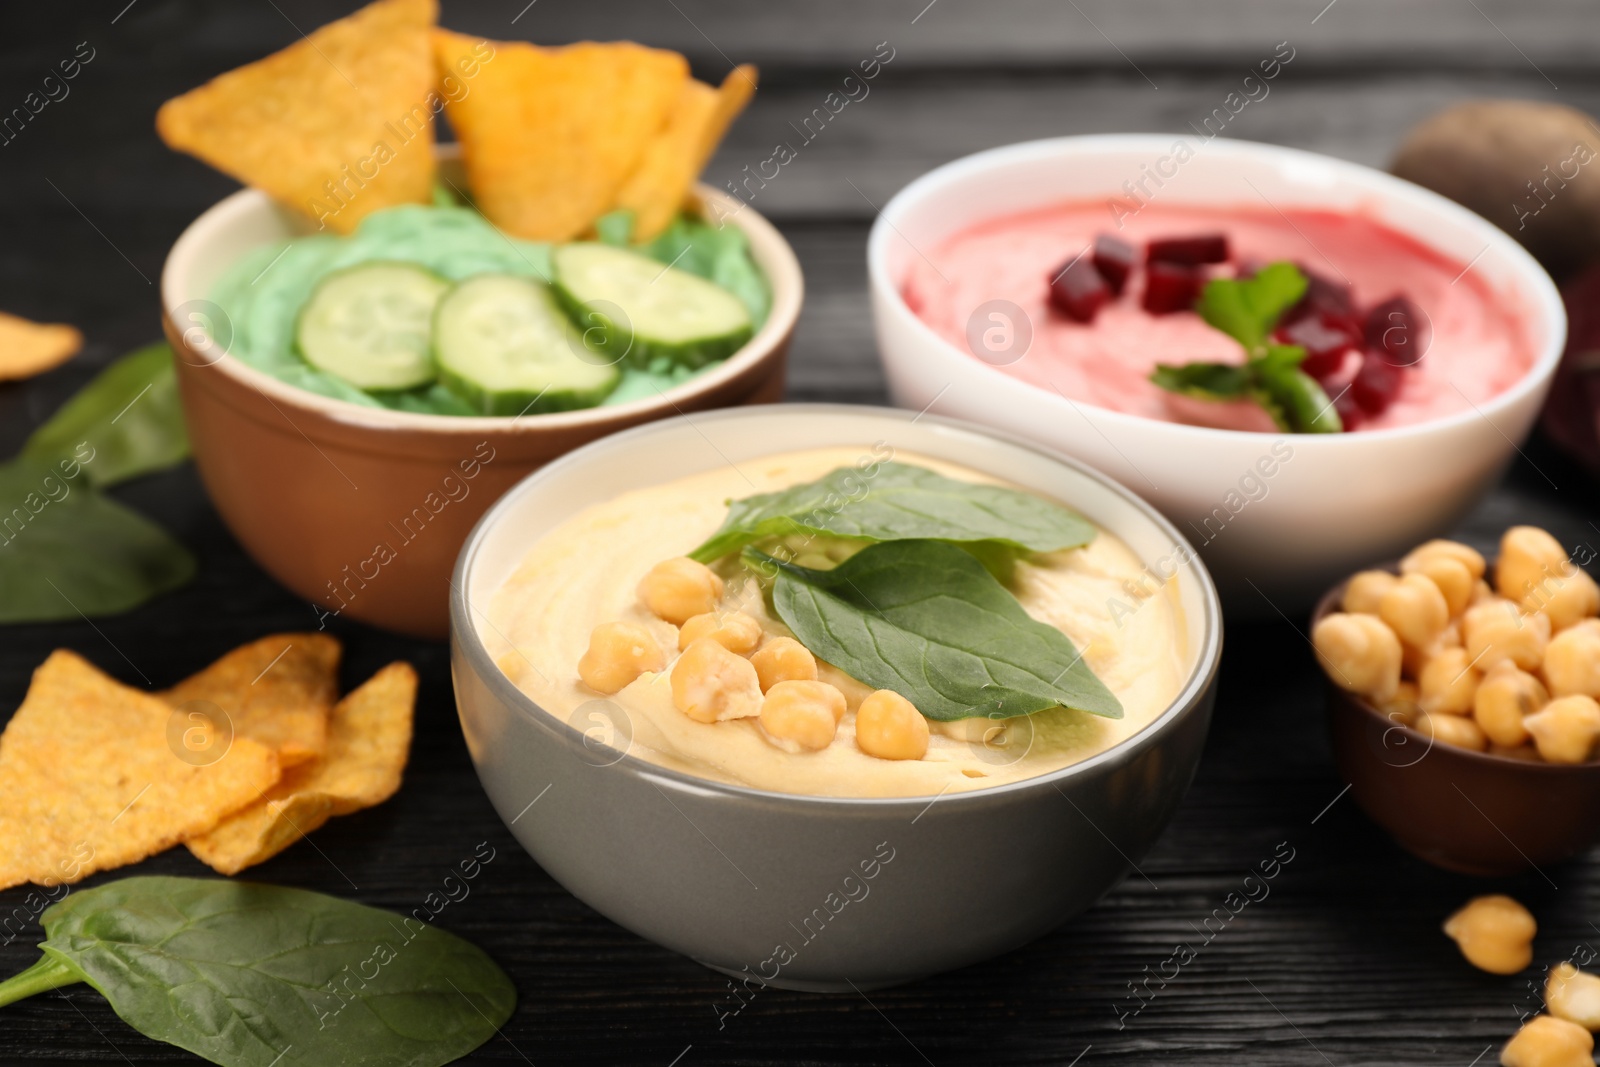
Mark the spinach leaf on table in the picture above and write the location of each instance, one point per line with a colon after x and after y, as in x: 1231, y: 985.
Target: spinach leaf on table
x: 250, y: 975
x: 897, y: 501
x: 927, y: 620
x: 66, y: 549
x: 128, y: 414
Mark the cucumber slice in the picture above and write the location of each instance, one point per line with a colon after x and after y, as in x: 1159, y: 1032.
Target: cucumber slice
x: 630, y: 304
x: 502, y: 342
x: 369, y: 325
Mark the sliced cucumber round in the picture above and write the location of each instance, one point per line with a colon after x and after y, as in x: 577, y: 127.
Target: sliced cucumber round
x: 502, y: 341
x: 636, y: 308
x: 370, y: 325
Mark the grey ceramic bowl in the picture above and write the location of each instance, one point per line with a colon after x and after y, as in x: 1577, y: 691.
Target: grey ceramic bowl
x: 810, y: 892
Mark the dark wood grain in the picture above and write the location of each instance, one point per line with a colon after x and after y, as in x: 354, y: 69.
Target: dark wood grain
x: 1343, y: 962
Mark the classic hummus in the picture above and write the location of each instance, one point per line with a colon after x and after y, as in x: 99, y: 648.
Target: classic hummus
x: 585, y: 572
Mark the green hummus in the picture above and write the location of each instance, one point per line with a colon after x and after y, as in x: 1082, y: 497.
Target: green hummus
x: 263, y: 293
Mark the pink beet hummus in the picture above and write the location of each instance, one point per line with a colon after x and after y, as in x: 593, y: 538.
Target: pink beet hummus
x: 1480, y: 346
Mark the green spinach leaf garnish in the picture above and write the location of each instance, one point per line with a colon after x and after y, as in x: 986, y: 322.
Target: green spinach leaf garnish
x: 249, y: 975
x: 891, y: 501
x: 927, y: 620
x: 1247, y: 309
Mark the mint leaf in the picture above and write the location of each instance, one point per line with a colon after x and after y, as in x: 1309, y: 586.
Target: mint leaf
x: 1247, y: 309
x: 925, y: 619
x: 891, y: 501
x: 1304, y: 404
x: 1205, y: 381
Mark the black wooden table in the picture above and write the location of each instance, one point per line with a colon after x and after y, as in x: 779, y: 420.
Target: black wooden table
x: 1342, y: 964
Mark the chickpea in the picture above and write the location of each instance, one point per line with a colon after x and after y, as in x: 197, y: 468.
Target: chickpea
x: 1495, y: 630
x: 1450, y: 575
x: 1522, y: 753
x: 1546, y: 1041
x: 1359, y: 653
x: 1413, y: 659
x: 1415, y: 610
x: 1528, y: 556
x: 1566, y: 729
x: 1572, y: 661
x: 1456, y: 730
x: 1481, y: 591
x: 710, y: 684
x: 783, y: 659
x: 890, y: 727
x: 1403, y: 706
x: 1448, y: 682
x: 802, y: 716
x: 1568, y: 601
x: 679, y: 589
x: 1365, y: 589
x: 1505, y: 697
x: 618, y: 653
x: 1495, y: 934
x: 1572, y: 995
x: 1465, y: 555
x: 735, y: 631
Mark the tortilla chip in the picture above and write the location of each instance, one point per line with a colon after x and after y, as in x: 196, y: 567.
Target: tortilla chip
x: 680, y: 151
x: 89, y: 780
x: 369, y: 737
x: 337, y: 125
x: 548, y: 135
x: 278, y: 691
x: 29, y: 348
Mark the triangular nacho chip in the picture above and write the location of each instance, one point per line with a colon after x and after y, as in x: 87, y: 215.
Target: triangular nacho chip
x: 369, y: 738
x: 278, y: 691
x: 337, y: 125
x: 90, y: 778
x: 548, y: 135
x: 680, y: 151
x: 29, y: 348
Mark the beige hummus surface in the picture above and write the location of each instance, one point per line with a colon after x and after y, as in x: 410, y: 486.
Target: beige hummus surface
x: 585, y: 572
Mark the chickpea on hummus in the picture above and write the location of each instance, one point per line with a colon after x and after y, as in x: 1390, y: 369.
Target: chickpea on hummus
x: 742, y: 661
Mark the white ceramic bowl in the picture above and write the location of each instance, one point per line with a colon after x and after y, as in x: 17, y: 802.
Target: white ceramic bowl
x: 733, y: 876
x: 1344, y: 500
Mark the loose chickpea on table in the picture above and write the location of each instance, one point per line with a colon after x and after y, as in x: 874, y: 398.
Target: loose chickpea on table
x: 729, y: 669
x: 1511, y: 668
x: 1495, y: 934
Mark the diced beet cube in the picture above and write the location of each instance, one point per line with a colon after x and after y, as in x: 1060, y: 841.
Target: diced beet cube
x: 1078, y: 290
x: 1325, y: 337
x: 1115, y: 259
x: 1190, y: 251
x: 1399, y: 328
x: 1350, y: 413
x: 1324, y: 296
x: 1171, y: 287
x: 1376, y: 383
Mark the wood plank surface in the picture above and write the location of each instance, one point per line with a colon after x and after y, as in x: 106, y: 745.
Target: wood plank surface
x: 1342, y: 964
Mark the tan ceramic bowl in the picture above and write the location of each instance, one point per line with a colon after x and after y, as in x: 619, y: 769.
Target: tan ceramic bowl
x: 362, y: 511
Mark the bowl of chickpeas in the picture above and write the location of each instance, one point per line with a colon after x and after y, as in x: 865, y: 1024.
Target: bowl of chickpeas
x: 1464, y: 700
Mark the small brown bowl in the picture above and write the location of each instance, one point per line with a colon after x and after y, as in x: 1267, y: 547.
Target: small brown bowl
x: 362, y: 510
x: 1470, y: 812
